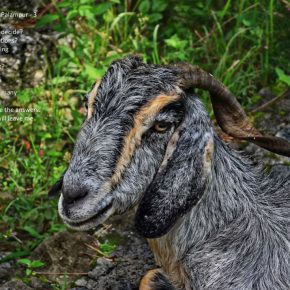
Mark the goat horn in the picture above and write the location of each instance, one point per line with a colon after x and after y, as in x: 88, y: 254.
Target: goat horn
x: 229, y: 114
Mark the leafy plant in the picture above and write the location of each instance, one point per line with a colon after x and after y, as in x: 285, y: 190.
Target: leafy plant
x: 31, y: 266
x: 282, y: 76
x: 107, y: 248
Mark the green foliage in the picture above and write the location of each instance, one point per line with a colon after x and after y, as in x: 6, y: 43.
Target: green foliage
x: 236, y: 41
x: 30, y: 266
x: 282, y: 76
x: 107, y: 248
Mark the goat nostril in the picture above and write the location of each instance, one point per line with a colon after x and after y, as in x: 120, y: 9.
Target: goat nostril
x: 70, y: 196
x: 68, y: 200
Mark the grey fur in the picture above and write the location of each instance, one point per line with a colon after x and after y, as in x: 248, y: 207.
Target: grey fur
x: 219, y: 220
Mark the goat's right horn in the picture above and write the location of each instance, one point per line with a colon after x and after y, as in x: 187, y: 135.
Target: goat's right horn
x: 229, y: 114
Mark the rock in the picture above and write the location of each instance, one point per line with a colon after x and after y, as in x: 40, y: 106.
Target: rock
x: 25, y: 64
x: 21, y: 6
x: 128, y: 263
x: 36, y: 284
x: 81, y: 282
x: 5, y: 268
x: 23, y: 54
x: 15, y: 285
x: 104, y: 266
x: 68, y: 252
x: 266, y: 157
x: 65, y: 252
x: 267, y: 94
x: 272, y: 120
x: 275, y: 116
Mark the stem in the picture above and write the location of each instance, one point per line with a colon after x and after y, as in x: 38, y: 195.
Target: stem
x: 61, y: 273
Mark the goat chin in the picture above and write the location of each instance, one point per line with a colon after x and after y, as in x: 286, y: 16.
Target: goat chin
x: 89, y: 222
x: 92, y: 222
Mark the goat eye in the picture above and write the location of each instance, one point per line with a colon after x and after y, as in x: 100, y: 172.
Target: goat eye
x: 161, y: 127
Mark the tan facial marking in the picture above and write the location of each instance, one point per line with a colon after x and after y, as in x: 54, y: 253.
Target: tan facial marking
x: 164, y: 250
x: 146, y: 280
x: 208, y: 154
x: 171, y: 147
x: 133, y: 139
x: 92, y: 97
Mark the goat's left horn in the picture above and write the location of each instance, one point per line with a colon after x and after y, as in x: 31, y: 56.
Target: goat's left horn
x: 229, y: 114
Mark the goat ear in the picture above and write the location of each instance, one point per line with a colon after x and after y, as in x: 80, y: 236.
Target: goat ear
x: 180, y: 181
x: 56, y: 188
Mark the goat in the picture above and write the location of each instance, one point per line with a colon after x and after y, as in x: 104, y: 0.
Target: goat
x: 213, y: 220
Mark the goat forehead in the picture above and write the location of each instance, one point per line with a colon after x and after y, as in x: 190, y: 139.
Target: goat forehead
x: 116, y: 105
x: 98, y: 134
x: 132, y: 91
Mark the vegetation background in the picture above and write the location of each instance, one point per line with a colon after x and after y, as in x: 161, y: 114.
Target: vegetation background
x: 245, y: 44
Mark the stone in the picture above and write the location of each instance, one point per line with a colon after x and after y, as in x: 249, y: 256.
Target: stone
x: 25, y: 63
x: 21, y: 6
x: 126, y: 265
x: 264, y: 156
x: 5, y: 268
x: 82, y: 282
x: 65, y: 252
x: 15, y: 285
x: 36, y: 284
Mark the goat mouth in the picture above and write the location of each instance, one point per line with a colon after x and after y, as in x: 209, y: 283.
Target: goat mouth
x: 93, y: 221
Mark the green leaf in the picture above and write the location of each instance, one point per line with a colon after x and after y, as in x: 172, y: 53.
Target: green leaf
x: 282, y: 76
x: 107, y: 248
x: 26, y: 262
x: 64, y: 3
x: 28, y: 272
x: 102, y: 8
x: 144, y: 6
x: 61, y: 80
x: 119, y: 17
x: 23, y: 97
x: 159, y: 5
x: 45, y: 135
x: 36, y: 264
x: 155, y: 17
x: 67, y: 50
x: 48, y: 214
x: 14, y: 255
x: 49, y: 18
x: 247, y: 22
x: 32, y: 232
x: 86, y: 1
x: 94, y: 73
x: 86, y: 11
x: 54, y: 153
x: 72, y: 14
x: 175, y: 42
